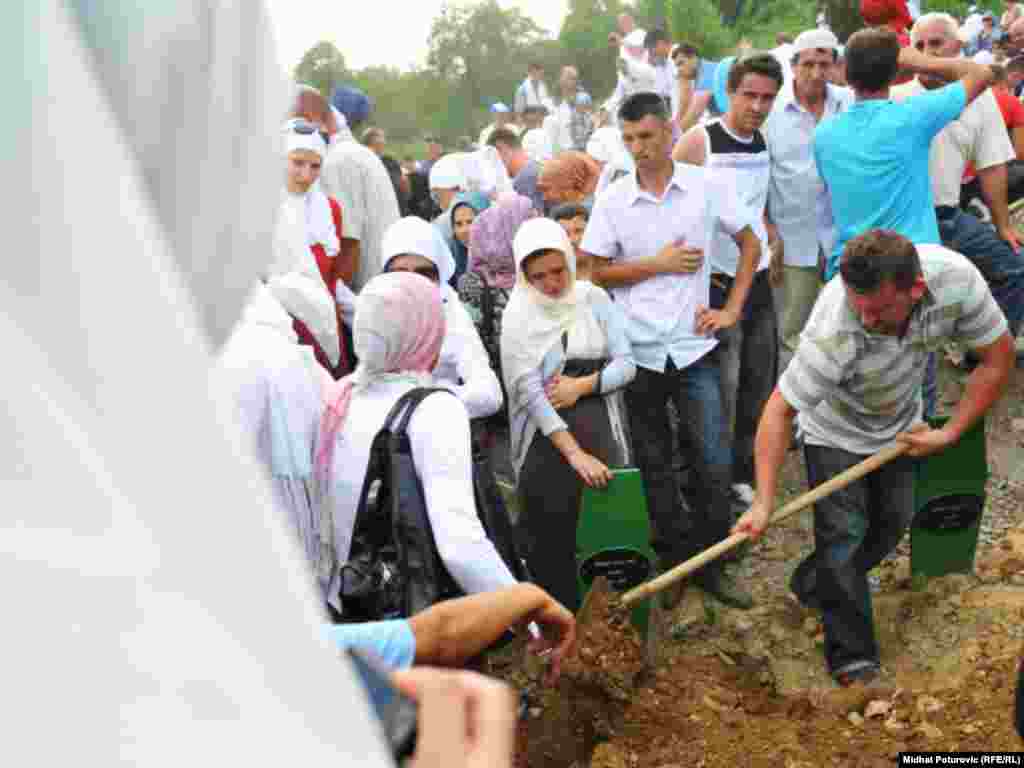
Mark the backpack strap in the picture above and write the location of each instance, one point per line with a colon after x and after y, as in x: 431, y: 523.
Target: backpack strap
x: 408, y: 403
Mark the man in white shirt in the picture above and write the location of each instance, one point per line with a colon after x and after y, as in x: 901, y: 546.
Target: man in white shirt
x: 636, y: 75
x: 357, y: 178
x: 565, y: 122
x: 978, y: 136
x: 659, y: 46
x: 647, y: 237
x: 532, y: 92
x: 799, y: 208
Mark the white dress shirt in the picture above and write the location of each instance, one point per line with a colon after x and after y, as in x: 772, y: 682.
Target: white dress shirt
x: 798, y: 201
x: 629, y: 224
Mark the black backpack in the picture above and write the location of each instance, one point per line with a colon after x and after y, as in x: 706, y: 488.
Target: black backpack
x: 394, y: 569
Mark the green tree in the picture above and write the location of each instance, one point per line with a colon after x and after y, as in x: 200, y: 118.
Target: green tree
x: 482, y: 51
x: 844, y: 17
x: 584, y: 43
x: 322, y: 66
x: 699, y: 22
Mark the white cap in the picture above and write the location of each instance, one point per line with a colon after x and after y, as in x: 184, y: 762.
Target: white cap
x: 812, y: 39
x: 635, y: 39
x: 420, y: 238
x: 541, y: 235
x: 499, y: 106
x: 446, y: 173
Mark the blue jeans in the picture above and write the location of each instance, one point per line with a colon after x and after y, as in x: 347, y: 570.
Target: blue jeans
x: 854, y: 529
x: 1001, y: 266
x: 678, y: 533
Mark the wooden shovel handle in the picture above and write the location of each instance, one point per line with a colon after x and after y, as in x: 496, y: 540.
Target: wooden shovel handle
x: 841, y: 480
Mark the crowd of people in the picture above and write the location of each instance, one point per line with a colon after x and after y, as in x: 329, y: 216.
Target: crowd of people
x: 689, y: 280
x: 666, y: 280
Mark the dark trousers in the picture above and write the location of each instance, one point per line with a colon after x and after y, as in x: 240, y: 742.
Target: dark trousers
x: 854, y: 529
x: 549, y: 498
x: 748, y: 354
x: 678, y: 533
x: 1001, y: 266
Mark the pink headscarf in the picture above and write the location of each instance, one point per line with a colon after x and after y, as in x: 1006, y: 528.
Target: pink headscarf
x: 399, y: 327
x: 490, y: 240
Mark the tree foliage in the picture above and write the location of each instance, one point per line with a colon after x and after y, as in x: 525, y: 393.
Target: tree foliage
x: 479, y: 51
x: 322, y: 66
x: 584, y: 40
x: 482, y: 51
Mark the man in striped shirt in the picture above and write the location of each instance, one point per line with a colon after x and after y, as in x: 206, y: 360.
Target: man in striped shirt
x: 856, y: 382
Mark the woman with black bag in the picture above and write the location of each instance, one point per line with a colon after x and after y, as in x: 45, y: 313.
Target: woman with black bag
x: 398, y: 331
x: 565, y: 359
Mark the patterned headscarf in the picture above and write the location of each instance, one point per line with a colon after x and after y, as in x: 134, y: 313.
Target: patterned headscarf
x: 569, y: 177
x: 490, y: 239
x: 399, y: 328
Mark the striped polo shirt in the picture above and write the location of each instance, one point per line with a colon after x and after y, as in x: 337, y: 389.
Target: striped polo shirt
x: 744, y: 165
x: 857, y: 390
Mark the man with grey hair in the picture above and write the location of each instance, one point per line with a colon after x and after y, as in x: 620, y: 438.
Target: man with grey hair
x: 977, y: 136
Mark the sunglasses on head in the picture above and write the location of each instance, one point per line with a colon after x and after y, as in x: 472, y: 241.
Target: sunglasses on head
x: 304, y: 127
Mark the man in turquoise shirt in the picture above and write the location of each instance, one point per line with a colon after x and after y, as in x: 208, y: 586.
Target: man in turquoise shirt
x: 874, y: 156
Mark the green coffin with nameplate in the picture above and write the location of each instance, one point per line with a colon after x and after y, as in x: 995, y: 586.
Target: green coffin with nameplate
x: 613, y: 538
x: 949, y: 497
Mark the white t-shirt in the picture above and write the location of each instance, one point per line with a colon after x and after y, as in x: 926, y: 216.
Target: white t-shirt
x: 978, y: 136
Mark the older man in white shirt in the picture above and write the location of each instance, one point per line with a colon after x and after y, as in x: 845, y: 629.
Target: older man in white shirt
x: 799, y: 208
x: 979, y: 137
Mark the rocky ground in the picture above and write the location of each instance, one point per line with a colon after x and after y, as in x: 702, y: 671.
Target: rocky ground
x: 750, y: 688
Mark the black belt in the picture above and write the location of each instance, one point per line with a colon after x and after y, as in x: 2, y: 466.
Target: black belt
x: 945, y: 211
x: 725, y: 282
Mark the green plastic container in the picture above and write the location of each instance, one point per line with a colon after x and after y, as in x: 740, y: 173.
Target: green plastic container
x: 949, y: 497
x: 613, y: 539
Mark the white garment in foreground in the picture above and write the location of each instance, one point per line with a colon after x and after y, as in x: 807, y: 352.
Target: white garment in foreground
x: 137, y: 531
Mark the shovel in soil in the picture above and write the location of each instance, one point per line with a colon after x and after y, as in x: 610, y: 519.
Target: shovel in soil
x: 665, y: 580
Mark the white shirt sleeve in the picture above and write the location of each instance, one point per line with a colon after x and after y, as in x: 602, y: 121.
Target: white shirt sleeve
x: 480, y: 390
x: 344, y: 181
x: 440, y: 441
x: 599, y: 238
x: 992, y: 146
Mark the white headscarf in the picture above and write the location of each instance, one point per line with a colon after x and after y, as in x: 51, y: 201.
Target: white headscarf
x: 420, y: 238
x: 314, y: 205
x: 295, y: 280
x: 533, y: 322
x: 137, y: 526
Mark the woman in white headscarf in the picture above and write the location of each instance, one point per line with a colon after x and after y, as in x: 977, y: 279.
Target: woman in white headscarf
x: 309, y: 216
x: 398, y: 333
x: 565, y: 358
x: 413, y: 245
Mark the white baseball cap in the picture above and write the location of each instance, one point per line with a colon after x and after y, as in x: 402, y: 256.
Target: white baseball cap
x: 812, y: 39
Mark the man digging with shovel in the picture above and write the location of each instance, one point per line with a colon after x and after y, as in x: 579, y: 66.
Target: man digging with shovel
x: 856, y: 382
